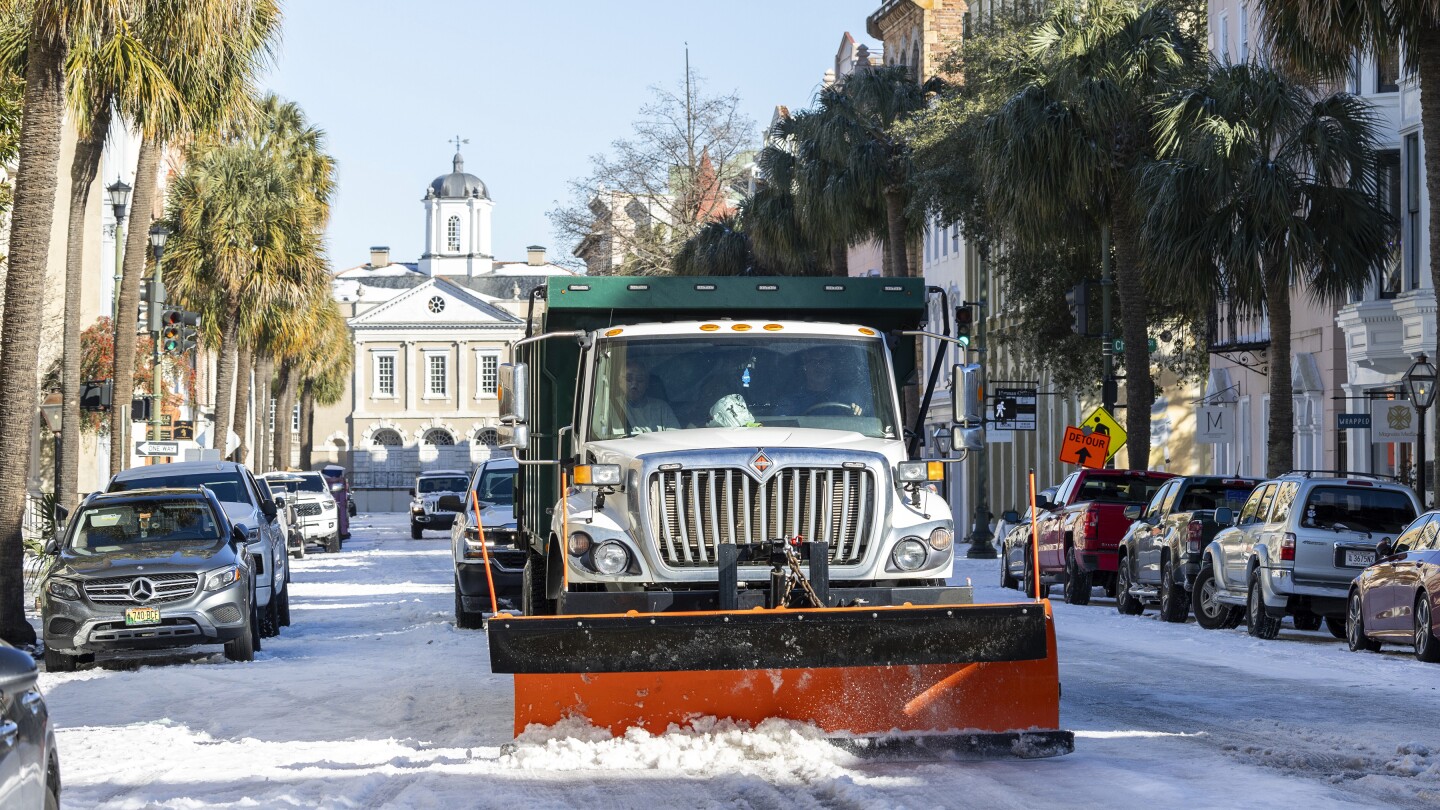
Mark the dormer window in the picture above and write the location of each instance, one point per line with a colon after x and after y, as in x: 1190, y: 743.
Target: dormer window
x: 452, y: 235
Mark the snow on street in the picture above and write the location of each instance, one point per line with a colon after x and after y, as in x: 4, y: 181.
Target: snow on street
x: 373, y: 699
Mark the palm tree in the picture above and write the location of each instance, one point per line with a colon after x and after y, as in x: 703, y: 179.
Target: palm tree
x: 1269, y: 186
x: 719, y: 248
x: 790, y: 225
x: 1324, y: 37
x: 1069, y: 147
x: 325, y: 374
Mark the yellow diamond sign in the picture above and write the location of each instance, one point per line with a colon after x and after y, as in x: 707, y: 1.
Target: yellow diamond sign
x: 1100, y: 421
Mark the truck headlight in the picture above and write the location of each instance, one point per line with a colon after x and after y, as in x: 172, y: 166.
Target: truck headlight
x: 579, y: 543
x: 611, y: 557
x: 941, y: 538
x: 597, y: 475
x: 222, y: 578
x: 328, y: 506
x: 909, y: 554
x: 63, y: 589
x: 914, y: 472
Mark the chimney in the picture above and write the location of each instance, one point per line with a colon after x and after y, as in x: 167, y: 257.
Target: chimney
x: 379, y: 256
x: 535, y: 255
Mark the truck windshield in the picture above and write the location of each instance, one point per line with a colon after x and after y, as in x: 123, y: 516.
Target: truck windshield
x: 1359, y: 509
x: 1130, y: 489
x: 1215, y: 495
x: 496, y: 487
x: 114, y: 528
x: 651, y: 384
x: 429, y: 485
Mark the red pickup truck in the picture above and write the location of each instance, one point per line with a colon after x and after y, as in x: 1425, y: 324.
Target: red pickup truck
x: 1081, y: 530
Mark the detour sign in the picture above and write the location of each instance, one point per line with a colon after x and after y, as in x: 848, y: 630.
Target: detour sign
x: 1086, y: 450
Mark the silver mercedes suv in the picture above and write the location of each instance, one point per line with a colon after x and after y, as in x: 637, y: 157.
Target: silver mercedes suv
x: 148, y: 569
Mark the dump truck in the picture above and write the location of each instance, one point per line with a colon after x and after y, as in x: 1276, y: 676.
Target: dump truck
x: 724, y: 517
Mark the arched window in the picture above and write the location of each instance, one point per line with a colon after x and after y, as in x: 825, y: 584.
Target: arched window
x: 452, y: 234
x: 438, y: 437
x: 488, y: 437
x: 385, y: 437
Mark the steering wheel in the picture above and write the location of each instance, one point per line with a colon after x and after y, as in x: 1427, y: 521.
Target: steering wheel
x: 848, y: 407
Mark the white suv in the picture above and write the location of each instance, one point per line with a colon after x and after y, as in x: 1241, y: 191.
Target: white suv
x: 316, y: 516
x: 425, y: 512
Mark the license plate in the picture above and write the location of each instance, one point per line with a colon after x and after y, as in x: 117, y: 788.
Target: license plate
x: 1359, y: 559
x: 141, y: 615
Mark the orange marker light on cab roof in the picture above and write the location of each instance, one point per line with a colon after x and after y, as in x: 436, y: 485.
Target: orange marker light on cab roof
x: 709, y: 327
x: 613, y: 332
x: 741, y: 327
x: 773, y: 327
x: 866, y: 331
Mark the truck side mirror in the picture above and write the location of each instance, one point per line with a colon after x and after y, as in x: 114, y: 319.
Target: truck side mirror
x: 514, y: 379
x: 412, y: 492
x: 450, y: 503
x: 514, y: 437
x: 1132, y: 513
x: 1043, y: 502
x: 1010, y: 516
x: 968, y: 398
x: 1224, y: 516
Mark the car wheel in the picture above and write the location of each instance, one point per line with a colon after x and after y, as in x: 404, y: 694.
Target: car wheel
x: 1336, y: 626
x: 1006, y: 579
x: 244, y: 646
x: 416, y: 532
x: 1077, y: 580
x: 1210, y: 612
x: 283, y: 613
x: 1307, y: 621
x: 465, y: 619
x: 1174, y: 602
x: 1259, y: 623
x: 256, y: 628
x: 332, y: 544
x: 52, y: 787
x: 1027, y: 582
x: 1427, y: 647
x: 299, y: 552
x: 56, y: 661
x: 1126, y: 603
x: 532, y: 593
x: 1355, y: 626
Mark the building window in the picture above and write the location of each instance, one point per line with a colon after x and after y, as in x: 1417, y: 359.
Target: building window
x: 385, y: 437
x: 1387, y: 71
x: 437, y: 380
x: 1411, y: 226
x: 487, y: 437
x: 436, y: 305
x: 452, y: 235
x: 1388, y: 186
x: 295, y: 420
x: 437, y: 437
x: 1224, y: 37
x: 384, y: 375
x: 489, y: 374
x: 1244, y: 32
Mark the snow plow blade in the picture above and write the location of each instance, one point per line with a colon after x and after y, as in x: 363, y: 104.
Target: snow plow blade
x: 977, y: 678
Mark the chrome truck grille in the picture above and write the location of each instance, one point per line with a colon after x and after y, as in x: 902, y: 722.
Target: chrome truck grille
x: 692, y: 511
x: 307, y: 509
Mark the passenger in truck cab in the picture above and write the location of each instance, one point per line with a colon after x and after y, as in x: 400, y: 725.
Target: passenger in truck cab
x: 641, y: 413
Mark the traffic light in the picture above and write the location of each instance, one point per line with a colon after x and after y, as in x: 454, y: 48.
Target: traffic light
x: 140, y: 409
x: 154, y: 303
x: 1078, y: 299
x: 968, y: 397
x: 964, y: 323
x: 173, y: 330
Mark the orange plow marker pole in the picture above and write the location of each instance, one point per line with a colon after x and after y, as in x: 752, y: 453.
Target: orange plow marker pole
x: 1034, y: 536
x: 565, y: 527
x: 484, y: 551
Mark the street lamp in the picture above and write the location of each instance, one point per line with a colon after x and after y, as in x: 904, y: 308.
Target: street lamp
x: 118, y: 195
x: 158, y: 234
x: 1420, y: 379
x: 51, y: 410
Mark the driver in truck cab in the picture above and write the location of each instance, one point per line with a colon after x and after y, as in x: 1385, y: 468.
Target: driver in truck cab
x: 824, y: 381
x: 641, y: 413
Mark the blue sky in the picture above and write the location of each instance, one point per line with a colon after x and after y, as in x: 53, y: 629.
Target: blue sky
x: 537, y: 87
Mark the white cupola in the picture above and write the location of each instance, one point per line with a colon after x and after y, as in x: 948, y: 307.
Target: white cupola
x: 457, y: 224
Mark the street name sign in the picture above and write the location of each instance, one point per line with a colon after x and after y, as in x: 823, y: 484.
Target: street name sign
x: 1352, y: 421
x: 157, y: 448
x: 1084, y: 449
x: 1014, y: 409
x: 1100, y: 421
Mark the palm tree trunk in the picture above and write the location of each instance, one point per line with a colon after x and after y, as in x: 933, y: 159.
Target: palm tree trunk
x: 1134, y: 324
x: 30, y: 222
x: 225, y: 374
x: 307, y: 425
x: 1280, y: 439
x: 840, y: 260
x: 284, y: 408
x: 895, y: 242
x: 264, y: 376
x: 1428, y: 49
x: 243, y: 366
x: 83, y: 169
x: 137, y: 239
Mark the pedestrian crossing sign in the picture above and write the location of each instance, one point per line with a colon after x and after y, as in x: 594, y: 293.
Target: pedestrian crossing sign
x: 1100, y: 421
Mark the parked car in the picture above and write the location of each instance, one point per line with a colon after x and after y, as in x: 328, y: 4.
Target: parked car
x: 149, y: 569
x: 1299, y: 542
x: 340, y: 488
x: 425, y: 511
x: 1081, y: 530
x: 493, y: 485
x: 29, y: 762
x: 1159, y: 557
x: 1395, y: 600
x: 1015, y: 544
x: 289, y: 523
x: 247, y: 502
x: 317, y: 518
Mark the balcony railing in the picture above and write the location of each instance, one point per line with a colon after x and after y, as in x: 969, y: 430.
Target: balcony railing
x: 1237, y: 328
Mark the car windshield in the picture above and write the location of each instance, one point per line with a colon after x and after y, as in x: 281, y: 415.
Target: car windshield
x: 117, y: 527
x: 1129, y: 490
x: 1361, y: 509
x: 1215, y: 495
x: 227, y: 486
x: 652, y: 384
x: 496, y: 487
x: 442, y: 484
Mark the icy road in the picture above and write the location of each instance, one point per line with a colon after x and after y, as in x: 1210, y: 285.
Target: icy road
x: 373, y: 699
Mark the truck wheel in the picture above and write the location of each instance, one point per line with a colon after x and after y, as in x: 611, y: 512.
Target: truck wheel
x: 464, y: 619
x: 1125, y: 602
x: 532, y: 594
x: 299, y: 552
x: 283, y: 612
x: 1174, y: 602
x: 1259, y: 623
x: 1077, y: 580
x: 1306, y: 621
x: 1336, y: 626
x: 332, y: 543
x: 243, y: 648
x: 56, y: 661
x: 1028, y: 581
x: 1211, y: 613
x: 1006, y: 580
x: 1427, y: 647
x: 1355, y: 626
x: 416, y: 532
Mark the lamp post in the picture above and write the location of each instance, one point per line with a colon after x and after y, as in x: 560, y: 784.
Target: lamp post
x: 118, y: 195
x: 51, y: 410
x: 158, y: 234
x: 1420, y: 379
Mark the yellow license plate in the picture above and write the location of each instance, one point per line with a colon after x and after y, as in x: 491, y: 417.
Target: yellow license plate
x: 141, y: 615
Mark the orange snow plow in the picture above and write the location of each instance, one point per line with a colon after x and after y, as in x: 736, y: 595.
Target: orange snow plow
x: 968, y: 678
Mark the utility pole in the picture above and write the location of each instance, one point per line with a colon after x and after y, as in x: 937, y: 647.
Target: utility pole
x: 1109, y: 389
x: 980, y: 546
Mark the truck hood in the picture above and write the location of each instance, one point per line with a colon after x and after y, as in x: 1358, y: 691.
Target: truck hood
x: 699, y: 439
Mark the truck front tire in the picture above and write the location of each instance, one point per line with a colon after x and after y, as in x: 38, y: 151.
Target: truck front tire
x: 464, y: 619
x: 1077, y: 580
x: 1174, y: 602
x: 533, y: 600
x: 1258, y: 621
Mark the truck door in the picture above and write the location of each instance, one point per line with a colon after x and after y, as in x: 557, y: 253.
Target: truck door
x: 1148, y: 536
x: 1052, y: 534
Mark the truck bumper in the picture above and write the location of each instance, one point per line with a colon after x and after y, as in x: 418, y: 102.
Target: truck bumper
x: 436, y: 522
x: 475, y: 588
x: 583, y: 603
x: 1107, y: 559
